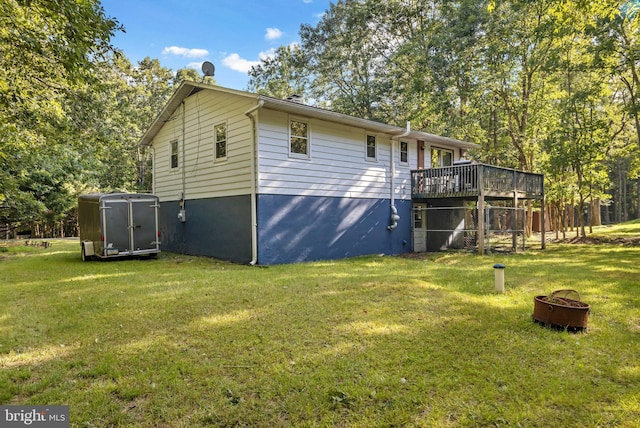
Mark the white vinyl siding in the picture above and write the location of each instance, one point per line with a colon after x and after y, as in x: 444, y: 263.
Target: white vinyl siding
x: 337, y: 168
x: 327, y: 159
x: 203, y: 177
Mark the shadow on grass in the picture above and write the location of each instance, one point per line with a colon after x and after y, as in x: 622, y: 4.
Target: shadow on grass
x: 365, y: 341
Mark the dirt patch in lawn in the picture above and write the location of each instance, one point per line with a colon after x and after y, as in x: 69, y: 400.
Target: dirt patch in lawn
x: 633, y: 241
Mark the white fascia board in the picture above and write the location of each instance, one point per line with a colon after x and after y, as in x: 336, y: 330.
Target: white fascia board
x: 331, y: 116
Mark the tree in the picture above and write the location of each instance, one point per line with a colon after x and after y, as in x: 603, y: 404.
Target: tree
x: 618, y: 51
x: 116, y: 118
x: 438, y: 59
x: 282, y: 75
x: 48, y: 51
x: 348, y: 58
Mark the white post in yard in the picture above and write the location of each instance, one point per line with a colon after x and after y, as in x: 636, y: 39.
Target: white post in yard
x: 498, y: 268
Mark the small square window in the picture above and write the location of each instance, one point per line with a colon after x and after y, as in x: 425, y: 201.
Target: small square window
x: 174, y: 154
x: 404, y: 152
x: 221, y: 141
x: 371, y: 147
x: 299, y: 138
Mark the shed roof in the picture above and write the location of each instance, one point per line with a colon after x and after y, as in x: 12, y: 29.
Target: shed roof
x: 188, y: 88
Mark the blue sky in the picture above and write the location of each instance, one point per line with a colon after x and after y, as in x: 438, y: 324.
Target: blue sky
x: 232, y: 34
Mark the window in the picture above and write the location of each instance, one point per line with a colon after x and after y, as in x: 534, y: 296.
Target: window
x: 404, y: 152
x: 371, y: 147
x: 221, y: 141
x: 441, y: 157
x: 299, y: 138
x: 174, y: 154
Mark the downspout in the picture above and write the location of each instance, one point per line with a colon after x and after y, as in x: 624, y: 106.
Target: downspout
x: 153, y: 169
x: 254, y: 182
x: 394, y: 211
x: 182, y: 213
x: 184, y: 143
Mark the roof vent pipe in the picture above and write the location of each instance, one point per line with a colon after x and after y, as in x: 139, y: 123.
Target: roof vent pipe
x: 295, y: 98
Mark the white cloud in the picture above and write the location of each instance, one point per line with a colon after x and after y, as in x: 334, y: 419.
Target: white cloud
x: 195, y: 65
x: 307, y: 1
x: 273, y: 34
x: 185, y: 52
x: 267, y: 54
x: 236, y: 63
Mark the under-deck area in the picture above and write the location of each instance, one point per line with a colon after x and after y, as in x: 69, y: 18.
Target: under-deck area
x: 448, y: 202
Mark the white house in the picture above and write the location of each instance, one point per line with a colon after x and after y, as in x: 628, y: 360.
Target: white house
x: 255, y: 179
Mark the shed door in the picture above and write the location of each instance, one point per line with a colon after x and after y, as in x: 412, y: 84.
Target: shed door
x: 143, y: 224
x: 115, y: 225
x: 419, y: 228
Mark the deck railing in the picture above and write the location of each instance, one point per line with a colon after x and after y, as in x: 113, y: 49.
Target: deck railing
x: 475, y: 179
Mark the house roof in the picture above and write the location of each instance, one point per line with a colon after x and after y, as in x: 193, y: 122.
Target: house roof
x: 188, y: 88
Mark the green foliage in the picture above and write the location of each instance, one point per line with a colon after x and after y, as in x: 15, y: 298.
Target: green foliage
x: 48, y: 53
x: 544, y: 86
x: 538, y: 84
x: 71, y: 108
x: 116, y: 118
x: 282, y: 75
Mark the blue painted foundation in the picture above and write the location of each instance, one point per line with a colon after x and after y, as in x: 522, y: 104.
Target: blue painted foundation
x: 215, y: 227
x: 290, y: 228
x: 304, y: 228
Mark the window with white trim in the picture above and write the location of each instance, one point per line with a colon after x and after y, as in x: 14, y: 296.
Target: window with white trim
x: 371, y: 147
x: 174, y: 154
x: 220, y: 131
x: 404, y: 152
x: 298, y: 138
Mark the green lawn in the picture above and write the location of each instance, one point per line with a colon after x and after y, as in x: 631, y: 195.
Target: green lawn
x: 628, y: 230
x: 373, y: 341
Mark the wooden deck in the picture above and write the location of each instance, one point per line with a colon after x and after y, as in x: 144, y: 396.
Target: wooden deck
x: 476, y: 180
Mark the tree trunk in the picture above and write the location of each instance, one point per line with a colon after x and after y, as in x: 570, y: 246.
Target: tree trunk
x: 596, y: 218
x: 638, y: 200
x: 623, y: 198
x: 557, y: 218
x: 529, y: 225
x: 581, y: 223
x: 572, y: 214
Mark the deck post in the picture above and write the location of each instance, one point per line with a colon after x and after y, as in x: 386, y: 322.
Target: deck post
x: 514, y: 233
x: 481, y: 225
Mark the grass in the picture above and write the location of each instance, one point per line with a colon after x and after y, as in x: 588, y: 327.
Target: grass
x: 629, y: 229
x: 372, y: 341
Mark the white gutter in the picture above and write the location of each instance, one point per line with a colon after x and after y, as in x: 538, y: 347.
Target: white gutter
x: 153, y: 169
x: 254, y: 182
x: 394, y: 211
x: 184, y: 158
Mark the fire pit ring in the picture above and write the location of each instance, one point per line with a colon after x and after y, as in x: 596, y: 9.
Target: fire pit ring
x: 561, y: 310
